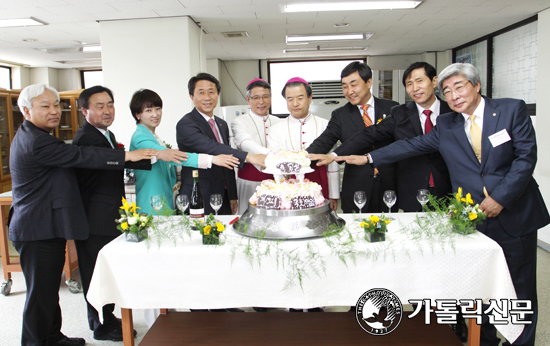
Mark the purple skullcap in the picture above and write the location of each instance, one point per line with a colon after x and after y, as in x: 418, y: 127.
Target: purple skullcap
x: 296, y: 79
x: 255, y: 80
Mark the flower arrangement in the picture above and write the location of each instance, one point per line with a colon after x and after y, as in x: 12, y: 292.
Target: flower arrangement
x: 132, y: 223
x: 210, y: 230
x: 464, y: 215
x: 120, y: 145
x: 375, y: 228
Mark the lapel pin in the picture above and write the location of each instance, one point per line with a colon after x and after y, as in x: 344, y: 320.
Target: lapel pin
x: 494, y: 114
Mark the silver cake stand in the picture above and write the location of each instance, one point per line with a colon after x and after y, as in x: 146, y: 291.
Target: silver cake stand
x: 287, y: 224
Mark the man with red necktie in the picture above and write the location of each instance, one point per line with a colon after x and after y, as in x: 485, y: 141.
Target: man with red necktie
x: 409, y: 120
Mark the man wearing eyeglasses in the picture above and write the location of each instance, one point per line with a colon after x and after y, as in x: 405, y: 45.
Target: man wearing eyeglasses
x: 490, y: 148
x: 251, y: 134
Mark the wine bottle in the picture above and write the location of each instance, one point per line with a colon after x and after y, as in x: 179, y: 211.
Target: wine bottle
x: 196, y: 205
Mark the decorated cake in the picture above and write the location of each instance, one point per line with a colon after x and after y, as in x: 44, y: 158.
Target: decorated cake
x: 287, y: 162
x: 289, y: 194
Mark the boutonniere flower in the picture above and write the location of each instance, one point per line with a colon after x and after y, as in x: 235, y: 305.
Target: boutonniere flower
x: 120, y: 145
x: 379, y: 120
x: 168, y: 145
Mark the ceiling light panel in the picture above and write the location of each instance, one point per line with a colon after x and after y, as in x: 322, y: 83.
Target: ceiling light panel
x: 328, y: 37
x: 350, y: 6
x: 15, y: 22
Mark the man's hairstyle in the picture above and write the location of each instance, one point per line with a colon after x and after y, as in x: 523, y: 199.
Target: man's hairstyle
x: 258, y: 83
x: 32, y: 91
x: 467, y: 70
x: 202, y: 76
x: 428, y: 69
x: 85, y: 95
x: 295, y: 84
x: 364, y: 70
x: 144, y: 98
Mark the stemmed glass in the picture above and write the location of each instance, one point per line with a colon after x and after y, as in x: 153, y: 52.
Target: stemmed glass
x: 216, y: 202
x: 156, y: 202
x: 389, y: 200
x: 182, y: 203
x: 422, y: 197
x: 360, y: 199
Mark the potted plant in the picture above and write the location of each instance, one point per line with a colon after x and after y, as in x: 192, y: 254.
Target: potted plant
x: 375, y: 228
x: 210, y: 230
x: 463, y: 214
x: 133, y: 224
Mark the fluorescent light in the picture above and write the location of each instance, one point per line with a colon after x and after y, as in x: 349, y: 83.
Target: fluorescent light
x: 350, y: 6
x: 328, y: 37
x: 8, y: 23
x: 88, y: 49
x: 320, y: 49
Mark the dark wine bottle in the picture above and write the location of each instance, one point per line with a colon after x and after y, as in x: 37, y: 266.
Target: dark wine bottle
x: 196, y: 205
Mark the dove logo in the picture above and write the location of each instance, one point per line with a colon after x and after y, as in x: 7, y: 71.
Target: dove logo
x: 379, y: 311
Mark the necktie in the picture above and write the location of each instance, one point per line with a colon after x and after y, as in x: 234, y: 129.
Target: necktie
x: 368, y: 122
x: 366, y: 118
x: 108, y: 136
x: 428, y: 126
x: 475, y: 134
x: 214, y: 129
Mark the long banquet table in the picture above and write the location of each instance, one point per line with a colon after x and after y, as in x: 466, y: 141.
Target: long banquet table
x: 187, y: 274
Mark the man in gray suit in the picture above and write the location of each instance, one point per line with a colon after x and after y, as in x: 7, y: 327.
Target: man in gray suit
x: 47, y: 208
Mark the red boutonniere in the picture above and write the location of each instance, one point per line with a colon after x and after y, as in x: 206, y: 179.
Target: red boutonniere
x: 120, y: 145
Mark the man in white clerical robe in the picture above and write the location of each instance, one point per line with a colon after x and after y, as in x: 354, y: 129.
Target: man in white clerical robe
x: 299, y: 130
x: 251, y: 134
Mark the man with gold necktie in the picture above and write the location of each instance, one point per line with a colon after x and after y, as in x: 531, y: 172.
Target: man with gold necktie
x: 490, y: 148
x: 362, y: 110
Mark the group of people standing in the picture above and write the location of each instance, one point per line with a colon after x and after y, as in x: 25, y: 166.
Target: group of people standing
x: 63, y: 191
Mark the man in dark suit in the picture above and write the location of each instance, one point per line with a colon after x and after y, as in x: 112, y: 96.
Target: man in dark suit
x: 361, y: 111
x: 200, y: 131
x: 47, y: 208
x: 407, y: 121
x: 102, y: 191
x: 490, y: 148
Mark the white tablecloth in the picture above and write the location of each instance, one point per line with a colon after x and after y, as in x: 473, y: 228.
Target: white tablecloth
x: 191, y: 275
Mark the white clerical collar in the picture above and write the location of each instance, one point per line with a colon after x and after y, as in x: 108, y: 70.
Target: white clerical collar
x: 303, y: 120
x: 435, y: 107
x: 260, y: 116
x: 478, y: 112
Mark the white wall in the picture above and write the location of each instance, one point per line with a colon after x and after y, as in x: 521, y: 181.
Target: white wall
x: 392, y: 62
x: 69, y: 79
x: 139, y: 54
x: 20, y: 77
x: 542, y: 171
x: 213, y: 66
x: 235, y: 76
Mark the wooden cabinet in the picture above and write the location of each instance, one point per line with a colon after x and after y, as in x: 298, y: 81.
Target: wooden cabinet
x: 71, y: 115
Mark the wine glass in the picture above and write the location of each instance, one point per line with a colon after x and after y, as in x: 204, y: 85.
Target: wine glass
x: 156, y: 202
x: 216, y: 202
x: 389, y: 200
x: 422, y: 197
x: 182, y: 203
x: 360, y: 199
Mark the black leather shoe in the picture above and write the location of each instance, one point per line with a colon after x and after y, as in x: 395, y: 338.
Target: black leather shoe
x: 460, y: 329
x: 115, y: 335
x: 315, y: 310
x: 71, y: 342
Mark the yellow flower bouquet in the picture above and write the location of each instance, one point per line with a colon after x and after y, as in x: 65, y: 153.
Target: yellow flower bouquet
x: 375, y: 228
x: 464, y: 214
x: 210, y: 230
x: 132, y: 223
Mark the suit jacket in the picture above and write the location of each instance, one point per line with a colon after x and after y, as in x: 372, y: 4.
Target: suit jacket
x: 102, y: 190
x: 46, y: 199
x: 505, y: 170
x: 161, y: 178
x: 345, y: 122
x: 194, y: 134
x: 414, y: 173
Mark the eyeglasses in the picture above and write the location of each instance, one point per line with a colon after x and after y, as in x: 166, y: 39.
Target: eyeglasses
x: 263, y: 97
x: 458, y: 89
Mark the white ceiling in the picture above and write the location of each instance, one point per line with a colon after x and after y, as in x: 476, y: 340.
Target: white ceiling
x: 436, y: 25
